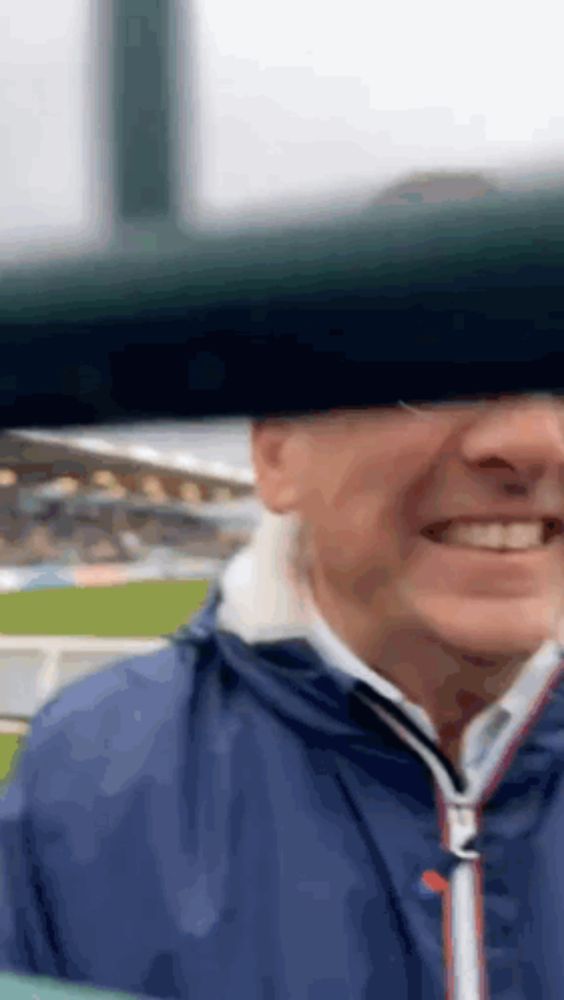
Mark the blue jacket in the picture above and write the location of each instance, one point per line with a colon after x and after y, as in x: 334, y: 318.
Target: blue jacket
x: 220, y: 820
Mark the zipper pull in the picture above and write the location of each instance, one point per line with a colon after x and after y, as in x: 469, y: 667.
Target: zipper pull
x: 462, y: 830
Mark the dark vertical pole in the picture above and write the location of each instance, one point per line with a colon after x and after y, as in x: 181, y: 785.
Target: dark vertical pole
x: 142, y: 80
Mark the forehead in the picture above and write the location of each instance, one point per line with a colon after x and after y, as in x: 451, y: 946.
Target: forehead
x: 346, y: 423
x: 328, y: 441
x: 343, y: 418
x: 360, y: 419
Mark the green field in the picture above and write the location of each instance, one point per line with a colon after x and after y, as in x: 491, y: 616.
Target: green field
x: 136, y: 610
x: 9, y: 746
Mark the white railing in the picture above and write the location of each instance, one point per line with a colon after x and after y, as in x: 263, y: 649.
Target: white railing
x: 32, y: 668
x: 13, y: 727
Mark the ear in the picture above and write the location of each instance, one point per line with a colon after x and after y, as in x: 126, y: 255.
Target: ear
x: 277, y: 451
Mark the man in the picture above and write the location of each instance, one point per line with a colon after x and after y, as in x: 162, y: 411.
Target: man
x: 342, y: 780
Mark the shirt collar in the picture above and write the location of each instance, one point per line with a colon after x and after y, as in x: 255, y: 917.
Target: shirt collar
x: 341, y: 660
x: 514, y: 706
x: 515, y: 703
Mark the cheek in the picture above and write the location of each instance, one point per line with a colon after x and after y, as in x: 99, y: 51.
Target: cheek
x: 368, y: 525
x: 357, y: 530
x: 368, y: 510
x: 358, y: 553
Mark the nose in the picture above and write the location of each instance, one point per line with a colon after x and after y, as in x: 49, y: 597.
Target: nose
x: 523, y: 438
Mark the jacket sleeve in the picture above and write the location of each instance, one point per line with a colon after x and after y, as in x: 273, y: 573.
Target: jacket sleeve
x: 27, y: 934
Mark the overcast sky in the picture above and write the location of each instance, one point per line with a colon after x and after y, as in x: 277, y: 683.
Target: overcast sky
x: 303, y: 96
x: 299, y: 98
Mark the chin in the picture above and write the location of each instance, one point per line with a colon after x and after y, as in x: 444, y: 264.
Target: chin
x: 495, y: 629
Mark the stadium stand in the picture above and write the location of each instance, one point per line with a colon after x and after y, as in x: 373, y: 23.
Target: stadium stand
x: 74, y: 501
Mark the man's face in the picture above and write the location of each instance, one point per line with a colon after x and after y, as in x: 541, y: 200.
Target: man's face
x: 444, y: 521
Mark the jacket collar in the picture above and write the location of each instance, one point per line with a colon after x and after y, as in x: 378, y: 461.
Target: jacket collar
x: 260, y: 601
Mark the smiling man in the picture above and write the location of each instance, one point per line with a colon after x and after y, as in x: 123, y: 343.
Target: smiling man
x: 433, y: 536
x: 342, y: 780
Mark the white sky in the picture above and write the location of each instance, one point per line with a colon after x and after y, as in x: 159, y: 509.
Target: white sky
x: 299, y: 98
x: 44, y: 180
x: 307, y: 95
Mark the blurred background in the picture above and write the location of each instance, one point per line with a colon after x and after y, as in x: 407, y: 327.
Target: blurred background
x: 141, y: 122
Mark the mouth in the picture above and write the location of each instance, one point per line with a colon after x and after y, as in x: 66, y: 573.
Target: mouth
x: 497, y: 536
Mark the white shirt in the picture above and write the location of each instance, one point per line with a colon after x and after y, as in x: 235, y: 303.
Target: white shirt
x: 485, y: 730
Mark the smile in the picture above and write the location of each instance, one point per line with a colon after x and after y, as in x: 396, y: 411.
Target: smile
x: 500, y: 536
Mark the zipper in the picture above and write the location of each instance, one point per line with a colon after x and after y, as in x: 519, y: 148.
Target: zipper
x: 463, y: 906
x: 462, y: 902
x: 463, y: 890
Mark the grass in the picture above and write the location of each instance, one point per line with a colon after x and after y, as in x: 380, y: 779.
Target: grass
x: 135, y: 610
x: 9, y: 746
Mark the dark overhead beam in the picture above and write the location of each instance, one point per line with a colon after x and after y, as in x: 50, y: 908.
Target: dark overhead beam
x: 410, y: 302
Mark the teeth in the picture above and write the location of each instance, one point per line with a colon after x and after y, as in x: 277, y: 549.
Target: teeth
x: 523, y: 536
x: 495, y: 535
